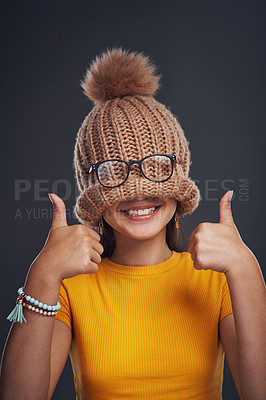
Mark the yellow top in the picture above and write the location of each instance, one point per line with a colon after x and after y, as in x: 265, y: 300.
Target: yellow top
x: 146, y: 332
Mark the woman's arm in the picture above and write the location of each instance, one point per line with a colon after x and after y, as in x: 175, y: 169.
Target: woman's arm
x: 26, y: 366
x: 248, y: 296
x: 32, y: 350
x: 61, y: 342
x: 219, y: 247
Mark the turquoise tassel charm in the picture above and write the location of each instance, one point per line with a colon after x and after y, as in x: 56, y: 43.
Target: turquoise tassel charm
x: 16, y: 314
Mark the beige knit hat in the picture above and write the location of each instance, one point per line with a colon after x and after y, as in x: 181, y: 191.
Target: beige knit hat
x: 127, y: 123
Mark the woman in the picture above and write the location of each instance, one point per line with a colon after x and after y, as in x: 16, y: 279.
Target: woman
x: 140, y: 317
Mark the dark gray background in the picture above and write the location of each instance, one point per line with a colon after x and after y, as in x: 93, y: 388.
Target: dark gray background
x: 211, y: 55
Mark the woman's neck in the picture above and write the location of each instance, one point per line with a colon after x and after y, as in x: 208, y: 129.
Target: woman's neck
x: 140, y: 253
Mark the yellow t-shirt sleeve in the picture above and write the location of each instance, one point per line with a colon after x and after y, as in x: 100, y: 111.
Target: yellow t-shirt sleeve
x: 226, y: 307
x: 64, y: 314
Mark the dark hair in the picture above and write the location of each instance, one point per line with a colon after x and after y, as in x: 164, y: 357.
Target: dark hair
x: 175, y: 238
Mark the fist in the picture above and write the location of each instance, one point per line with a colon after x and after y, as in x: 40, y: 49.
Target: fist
x: 68, y: 250
x: 218, y: 246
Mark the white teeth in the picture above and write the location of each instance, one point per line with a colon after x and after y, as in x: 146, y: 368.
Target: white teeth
x: 146, y: 211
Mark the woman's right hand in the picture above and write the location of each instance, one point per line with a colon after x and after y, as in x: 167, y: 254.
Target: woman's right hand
x: 69, y: 250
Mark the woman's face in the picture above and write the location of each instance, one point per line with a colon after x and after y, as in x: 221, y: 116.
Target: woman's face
x: 155, y: 212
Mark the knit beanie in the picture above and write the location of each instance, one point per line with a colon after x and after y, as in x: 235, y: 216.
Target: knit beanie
x: 128, y: 123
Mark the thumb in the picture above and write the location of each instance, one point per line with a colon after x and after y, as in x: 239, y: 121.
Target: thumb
x: 225, y: 209
x: 59, y: 218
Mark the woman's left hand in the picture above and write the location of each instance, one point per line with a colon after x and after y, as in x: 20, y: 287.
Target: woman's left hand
x: 218, y: 246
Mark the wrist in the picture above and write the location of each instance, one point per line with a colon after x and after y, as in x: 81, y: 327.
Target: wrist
x: 41, y: 285
x: 41, y: 272
x: 245, y: 265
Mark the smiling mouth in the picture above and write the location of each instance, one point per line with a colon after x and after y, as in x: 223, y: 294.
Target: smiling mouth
x: 140, y: 212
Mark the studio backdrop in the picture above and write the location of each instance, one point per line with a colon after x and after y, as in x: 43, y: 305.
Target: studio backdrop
x: 211, y: 56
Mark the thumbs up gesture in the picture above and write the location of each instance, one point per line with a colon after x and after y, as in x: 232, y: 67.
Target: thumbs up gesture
x: 218, y: 246
x: 69, y: 250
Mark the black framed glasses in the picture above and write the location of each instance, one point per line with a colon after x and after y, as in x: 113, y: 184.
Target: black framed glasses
x: 113, y: 173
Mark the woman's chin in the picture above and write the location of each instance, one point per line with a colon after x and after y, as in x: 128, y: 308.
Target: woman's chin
x: 141, y: 231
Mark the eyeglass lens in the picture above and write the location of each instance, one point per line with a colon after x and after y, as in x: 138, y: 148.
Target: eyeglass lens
x: 113, y: 173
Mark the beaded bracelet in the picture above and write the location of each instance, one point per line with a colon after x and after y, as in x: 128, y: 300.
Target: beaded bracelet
x: 25, y: 300
x: 39, y: 310
x: 39, y: 303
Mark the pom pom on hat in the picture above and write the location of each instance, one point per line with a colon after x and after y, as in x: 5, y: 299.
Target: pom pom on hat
x: 118, y: 73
